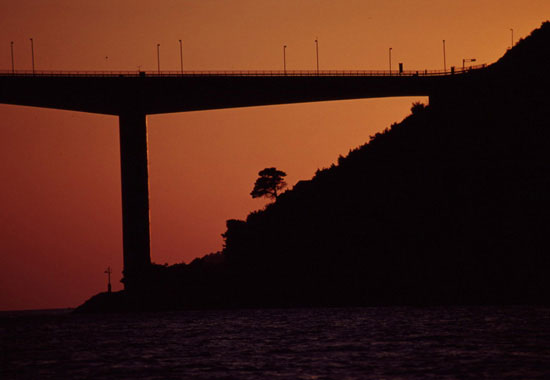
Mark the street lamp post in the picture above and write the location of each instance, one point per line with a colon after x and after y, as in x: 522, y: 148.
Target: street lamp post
x: 284, y: 59
x: 158, y: 58
x: 181, y: 57
x: 32, y: 55
x: 464, y: 60
x: 317, y: 53
x: 444, y: 58
x: 512, y: 30
x: 390, y: 59
x: 12, y: 61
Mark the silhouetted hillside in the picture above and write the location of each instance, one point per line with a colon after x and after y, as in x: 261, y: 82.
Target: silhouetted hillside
x: 451, y: 205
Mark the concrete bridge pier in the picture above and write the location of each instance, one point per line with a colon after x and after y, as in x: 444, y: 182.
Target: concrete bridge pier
x: 134, y: 162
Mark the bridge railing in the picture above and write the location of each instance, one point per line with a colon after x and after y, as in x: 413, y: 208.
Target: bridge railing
x: 246, y: 73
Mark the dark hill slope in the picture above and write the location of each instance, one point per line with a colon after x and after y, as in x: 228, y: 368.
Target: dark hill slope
x: 449, y: 206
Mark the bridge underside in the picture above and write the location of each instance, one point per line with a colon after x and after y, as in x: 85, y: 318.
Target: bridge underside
x: 132, y: 98
x: 154, y: 95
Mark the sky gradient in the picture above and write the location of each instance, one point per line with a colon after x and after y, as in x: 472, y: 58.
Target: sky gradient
x: 60, y: 212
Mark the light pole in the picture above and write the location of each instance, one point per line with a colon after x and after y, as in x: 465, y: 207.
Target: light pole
x: 108, y: 273
x: 317, y: 53
x: 464, y: 60
x: 444, y: 58
x: 181, y: 57
x: 12, y: 61
x: 390, y: 59
x: 158, y: 58
x: 32, y: 55
x: 512, y: 30
x: 284, y: 59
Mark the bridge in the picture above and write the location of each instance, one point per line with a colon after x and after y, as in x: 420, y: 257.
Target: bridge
x: 132, y: 95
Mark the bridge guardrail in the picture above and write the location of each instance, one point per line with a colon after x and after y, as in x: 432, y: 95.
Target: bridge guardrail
x: 246, y: 73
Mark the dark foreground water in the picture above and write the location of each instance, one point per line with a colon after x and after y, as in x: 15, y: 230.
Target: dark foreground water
x: 363, y: 343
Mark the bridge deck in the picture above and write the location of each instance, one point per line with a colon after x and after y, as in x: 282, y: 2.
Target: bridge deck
x: 243, y: 73
x: 119, y: 92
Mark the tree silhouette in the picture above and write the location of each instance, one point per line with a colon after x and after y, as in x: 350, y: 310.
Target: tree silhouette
x: 417, y: 107
x: 269, y: 183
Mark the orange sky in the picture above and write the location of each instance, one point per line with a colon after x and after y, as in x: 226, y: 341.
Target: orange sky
x: 60, y: 210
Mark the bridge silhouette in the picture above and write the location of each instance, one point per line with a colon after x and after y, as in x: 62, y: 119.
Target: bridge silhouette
x: 133, y: 95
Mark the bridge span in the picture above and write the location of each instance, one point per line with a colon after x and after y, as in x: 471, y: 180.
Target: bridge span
x: 133, y: 95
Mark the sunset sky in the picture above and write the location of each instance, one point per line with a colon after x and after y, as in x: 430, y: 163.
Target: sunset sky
x: 60, y: 210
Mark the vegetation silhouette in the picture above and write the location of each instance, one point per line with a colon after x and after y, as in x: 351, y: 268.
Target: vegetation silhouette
x: 269, y: 184
x: 449, y: 206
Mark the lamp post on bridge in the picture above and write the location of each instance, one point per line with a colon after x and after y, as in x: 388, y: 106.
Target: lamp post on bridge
x: 158, y: 58
x: 12, y: 61
x: 444, y: 58
x: 181, y: 57
x: 284, y: 59
x: 464, y: 60
x: 32, y: 55
x: 317, y: 53
x: 390, y: 50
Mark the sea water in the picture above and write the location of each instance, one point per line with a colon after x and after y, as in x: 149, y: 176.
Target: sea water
x: 333, y: 343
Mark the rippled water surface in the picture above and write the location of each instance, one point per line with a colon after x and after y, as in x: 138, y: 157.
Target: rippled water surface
x: 362, y: 343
